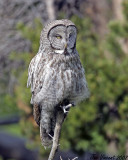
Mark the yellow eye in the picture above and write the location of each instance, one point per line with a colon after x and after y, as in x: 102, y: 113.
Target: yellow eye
x: 58, y: 37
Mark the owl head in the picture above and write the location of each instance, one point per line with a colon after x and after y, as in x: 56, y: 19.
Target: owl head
x: 59, y: 36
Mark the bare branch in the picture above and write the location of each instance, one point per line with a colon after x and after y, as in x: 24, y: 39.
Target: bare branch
x: 61, y: 114
x: 50, y: 9
x: 59, y: 121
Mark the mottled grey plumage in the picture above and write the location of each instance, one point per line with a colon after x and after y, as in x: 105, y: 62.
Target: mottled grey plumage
x: 56, y: 75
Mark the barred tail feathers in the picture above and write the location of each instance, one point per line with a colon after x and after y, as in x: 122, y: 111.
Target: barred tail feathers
x: 47, y: 125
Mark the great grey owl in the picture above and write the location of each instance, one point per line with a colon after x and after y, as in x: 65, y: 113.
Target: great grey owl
x: 56, y: 76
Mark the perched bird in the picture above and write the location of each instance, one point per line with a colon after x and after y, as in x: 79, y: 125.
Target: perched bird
x: 56, y: 76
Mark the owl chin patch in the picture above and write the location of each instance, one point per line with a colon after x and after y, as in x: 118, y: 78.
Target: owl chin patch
x: 59, y: 51
x: 65, y: 52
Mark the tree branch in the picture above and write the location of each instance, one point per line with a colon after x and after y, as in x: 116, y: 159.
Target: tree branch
x: 59, y: 121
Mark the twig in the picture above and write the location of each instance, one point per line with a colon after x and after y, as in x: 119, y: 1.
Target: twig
x: 60, y: 158
x: 75, y: 158
x: 68, y: 158
x: 59, y: 121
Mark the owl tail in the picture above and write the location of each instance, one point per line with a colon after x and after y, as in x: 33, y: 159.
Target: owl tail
x: 47, y: 125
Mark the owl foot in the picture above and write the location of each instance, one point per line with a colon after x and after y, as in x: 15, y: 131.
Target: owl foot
x: 67, y: 107
x: 50, y: 136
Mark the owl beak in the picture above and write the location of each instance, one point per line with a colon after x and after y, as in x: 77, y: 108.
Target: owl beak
x: 65, y: 49
x: 66, y: 46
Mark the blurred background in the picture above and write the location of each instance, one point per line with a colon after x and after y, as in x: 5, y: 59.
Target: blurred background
x: 98, y: 125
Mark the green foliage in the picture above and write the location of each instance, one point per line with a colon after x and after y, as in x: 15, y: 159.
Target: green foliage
x: 13, y: 129
x: 125, y: 5
x: 31, y: 33
x: 117, y: 124
x: 7, y: 105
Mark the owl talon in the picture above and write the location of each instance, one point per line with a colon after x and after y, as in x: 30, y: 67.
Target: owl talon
x: 50, y: 136
x: 67, y: 107
x: 73, y: 104
x: 65, y: 110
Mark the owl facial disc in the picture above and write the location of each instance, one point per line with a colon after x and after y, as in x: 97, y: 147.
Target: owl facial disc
x: 62, y: 39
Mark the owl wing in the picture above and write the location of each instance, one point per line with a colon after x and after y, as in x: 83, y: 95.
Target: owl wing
x: 33, y: 66
x: 31, y: 69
